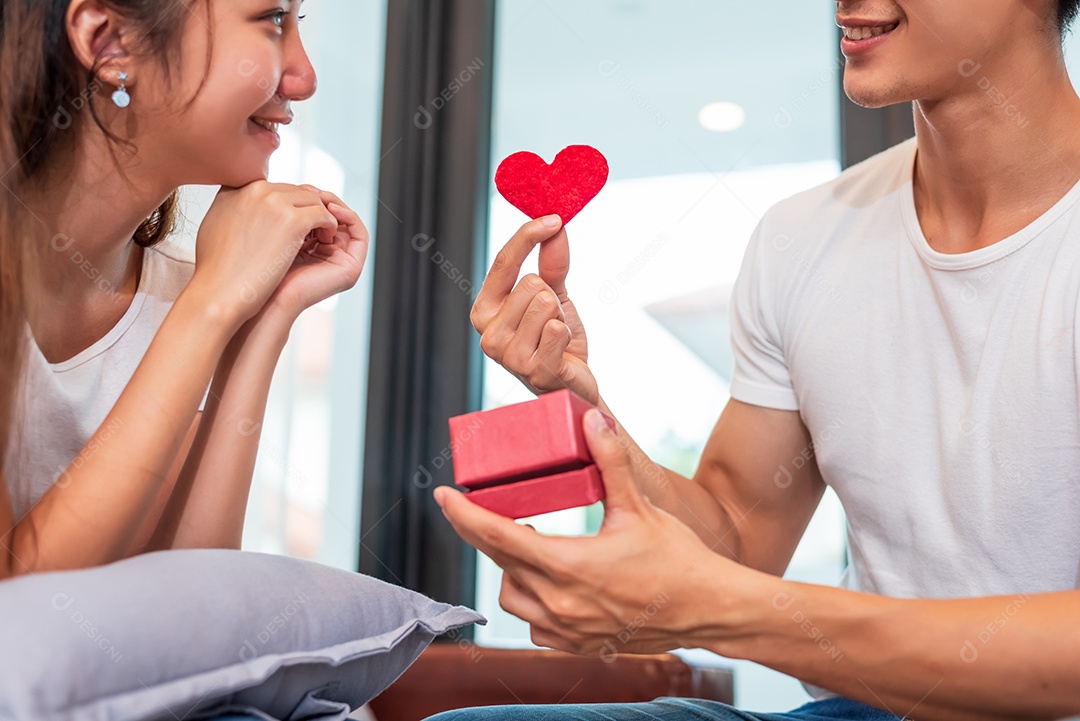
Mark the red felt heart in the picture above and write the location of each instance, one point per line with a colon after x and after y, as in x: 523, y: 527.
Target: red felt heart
x: 562, y: 188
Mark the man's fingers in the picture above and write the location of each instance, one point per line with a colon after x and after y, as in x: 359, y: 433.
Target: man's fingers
x: 555, y: 262
x: 548, y: 354
x: 526, y: 339
x: 506, y: 267
x: 553, y: 343
x: 518, y: 600
x: 511, y: 546
x: 501, y: 330
x: 539, y: 360
x: 613, y: 460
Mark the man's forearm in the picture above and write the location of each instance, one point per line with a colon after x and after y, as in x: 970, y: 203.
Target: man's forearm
x: 692, y: 504
x: 1002, y: 657
x: 208, y: 506
x: 682, y: 497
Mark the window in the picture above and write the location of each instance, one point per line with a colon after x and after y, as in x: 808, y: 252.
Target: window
x: 704, y: 128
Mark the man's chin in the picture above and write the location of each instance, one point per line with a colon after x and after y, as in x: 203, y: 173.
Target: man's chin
x: 873, y: 95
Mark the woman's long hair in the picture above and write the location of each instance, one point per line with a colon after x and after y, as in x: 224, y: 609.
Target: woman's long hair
x: 46, y: 97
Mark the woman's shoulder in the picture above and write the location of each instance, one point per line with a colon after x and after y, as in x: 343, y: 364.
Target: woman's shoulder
x: 176, y: 250
x: 167, y: 268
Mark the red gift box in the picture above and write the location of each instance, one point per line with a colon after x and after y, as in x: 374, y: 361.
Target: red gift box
x: 528, y: 458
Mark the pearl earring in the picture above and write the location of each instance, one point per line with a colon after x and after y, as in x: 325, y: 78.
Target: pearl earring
x: 121, y: 96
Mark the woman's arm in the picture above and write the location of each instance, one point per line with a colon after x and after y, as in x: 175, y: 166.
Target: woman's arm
x: 208, y: 507
x: 147, y: 539
x: 91, y: 516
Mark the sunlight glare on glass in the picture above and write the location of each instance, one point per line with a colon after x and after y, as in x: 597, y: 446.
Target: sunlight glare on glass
x: 722, y: 117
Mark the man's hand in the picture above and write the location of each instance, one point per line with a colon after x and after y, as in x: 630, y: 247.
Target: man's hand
x: 533, y: 330
x: 638, y: 586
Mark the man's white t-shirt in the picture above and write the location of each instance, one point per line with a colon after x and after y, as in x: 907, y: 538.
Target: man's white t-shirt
x: 941, y: 391
x: 63, y: 404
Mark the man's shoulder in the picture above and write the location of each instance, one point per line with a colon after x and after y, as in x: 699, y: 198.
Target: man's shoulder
x: 862, y: 188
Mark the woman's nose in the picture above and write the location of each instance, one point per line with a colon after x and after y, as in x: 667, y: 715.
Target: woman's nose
x: 298, y: 81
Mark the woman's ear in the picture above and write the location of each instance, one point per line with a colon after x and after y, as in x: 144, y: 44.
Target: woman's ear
x: 98, y: 36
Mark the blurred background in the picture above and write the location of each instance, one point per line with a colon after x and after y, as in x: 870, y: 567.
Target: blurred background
x: 706, y: 121
x: 707, y: 118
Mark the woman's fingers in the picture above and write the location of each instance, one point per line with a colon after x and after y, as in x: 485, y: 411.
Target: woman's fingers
x: 320, y: 222
x: 300, y: 196
x: 352, y: 233
x: 345, y: 215
x: 327, y: 198
x: 346, y: 231
x: 348, y: 218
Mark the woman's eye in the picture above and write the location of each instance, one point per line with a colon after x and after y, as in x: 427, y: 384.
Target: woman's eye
x: 278, y: 17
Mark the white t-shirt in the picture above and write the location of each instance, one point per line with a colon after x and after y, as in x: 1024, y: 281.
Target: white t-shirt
x: 63, y: 404
x: 941, y: 391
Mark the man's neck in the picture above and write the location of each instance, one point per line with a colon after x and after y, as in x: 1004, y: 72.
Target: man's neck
x: 996, y: 157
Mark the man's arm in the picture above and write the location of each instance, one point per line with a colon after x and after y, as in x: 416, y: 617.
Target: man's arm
x: 972, y: 659
x: 747, y: 500
x: 646, y: 583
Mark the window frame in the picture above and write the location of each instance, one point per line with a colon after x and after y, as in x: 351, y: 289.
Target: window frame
x: 425, y: 363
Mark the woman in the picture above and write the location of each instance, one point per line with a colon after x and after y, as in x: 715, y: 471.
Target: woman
x: 109, y: 106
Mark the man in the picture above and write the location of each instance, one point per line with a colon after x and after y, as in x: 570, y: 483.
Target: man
x: 912, y: 327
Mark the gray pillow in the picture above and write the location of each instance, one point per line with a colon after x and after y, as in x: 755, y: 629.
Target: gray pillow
x: 196, y: 634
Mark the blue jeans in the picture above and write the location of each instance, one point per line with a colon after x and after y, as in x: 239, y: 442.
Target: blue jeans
x: 669, y: 709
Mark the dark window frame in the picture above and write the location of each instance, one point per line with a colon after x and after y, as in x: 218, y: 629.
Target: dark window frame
x: 429, y: 257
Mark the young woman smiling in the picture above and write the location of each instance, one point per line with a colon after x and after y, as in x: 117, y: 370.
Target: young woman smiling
x: 107, y: 107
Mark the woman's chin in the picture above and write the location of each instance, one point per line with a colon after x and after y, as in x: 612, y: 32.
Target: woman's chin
x: 239, y: 177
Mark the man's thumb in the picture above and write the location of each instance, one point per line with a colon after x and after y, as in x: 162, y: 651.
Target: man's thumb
x: 554, y: 262
x: 613, y: 459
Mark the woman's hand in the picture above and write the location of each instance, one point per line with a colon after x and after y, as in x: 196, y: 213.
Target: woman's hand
x: 250, y: 238
x: 533, y: 330
x: 646, y: 583
x: 326, y: 264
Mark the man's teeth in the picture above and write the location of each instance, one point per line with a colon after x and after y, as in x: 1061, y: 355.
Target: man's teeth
x: 864, y: 33
x: 272, y: 127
